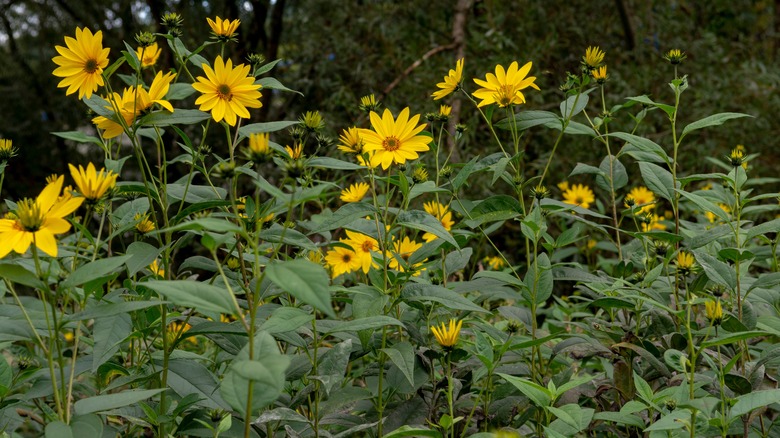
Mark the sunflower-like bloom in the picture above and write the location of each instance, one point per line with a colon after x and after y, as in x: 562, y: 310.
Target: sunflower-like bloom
x: 351, y: 141
x: 675, y: 56
x: 600, y: 74
x: 714, y: 311
x: 369, y: 103
x: 227, y: 91
x: 579, y: 194
x: 312, y: 121
x: 7, y: 149
x: 38, y: 221
x: 494, y: 262
x: 505, y: 87
x: 404, y: 249
x: 684, y: 262
x: 447, y: 336
x: 143, y: 225
x: 91, y: 184
x: 259, y: 149
x: 354, y: 193
x: 394, y: 140
x: 643, y: 197
x: 342, y: 261
x: 223, y: 30
x: 451, y: 81
x: 593, y: 58
x: 81, y: 63
x: 440, y: 212
x: 133, y: 102
x: 445, y: 110
x: 148, y: 55
x: 295, y: 152
x: 157, y: 269
x: 364, y: 247
x: 653, y: 223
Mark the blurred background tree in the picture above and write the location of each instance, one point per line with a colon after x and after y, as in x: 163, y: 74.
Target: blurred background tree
x: 335, y: 51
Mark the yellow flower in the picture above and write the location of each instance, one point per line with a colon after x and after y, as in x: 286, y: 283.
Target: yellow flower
x: 404, y: 249
x: 227, y: 91
x: 364, y: 248
x: 505, y: 87
x: 93, y: 185
x: 342, y: 261
x: 157, y: 269
x: 714, y: 311
x: 440, y: 212
x: 7, y: 149
x: 653, y: 223
x: 563, y: 186
x: 642, y: 196
x: 394, y: 140
x: 81, y: 63
x: 148, y: 55
x: 445, y: 110
x: 600, y: 74
x: 259, y: 149
x: 675, y: 56
x: 447, y: 336
x: 312, y: 121
x: 177, y: 329
x: 451, y: 81
x: 351, y: 141
x: 156, y: 94
x: 143, y: 224
x: 593, y: 58
x: 133, y: 102
x: 495, y: 262
x: 580, y: 195
x: 354, y: 193
x: 315, y: 256
x: 684, y: 262
x: 295, y: 152
x: 223, y: 29
x: 369, y: 103
x: 37, y: 221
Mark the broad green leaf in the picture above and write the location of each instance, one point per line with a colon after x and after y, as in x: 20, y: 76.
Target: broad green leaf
x: 286, y: 319
x: 658, y: 180
x: 187, y: 377
x: 90, y: 425
x: 179, y: 91
x: 333, y: 163
x: 642, y: 144
x: 492, y: 209
x: 672, y: 421
x: 58, y: 429
x: 141, y: 255
x: 420, y: 220
x: 194, y: 193
x: 94, y: 270
x: 257, y: 128
x: 617, y: 173
x: 305, y: 280
x: 105, y: 310
x: 345, y: 215
x: 438, y: 294
x: 732, y: 337
x: 333, y: 365
x: 503, y: 277
x: 464, y: 174
x: 177, y: 117
x: 620, y: 418
x: 18, y: 274
x: 573, y: 105
x: 270, y: 83
x: 716, y: 270
x: 540, y: 395
x: 402, y: 355
x: 713, y: 120
x: 108, y: 333
x: 79, y: 137
x: 706, y: 205
x: 100, y: 403
x: 528, y: 119
x: 409, y: 431
x: 213, y: 224
x: 199, y: 295
x: 758, y: 399
x: 539, y: 280
x: 369, y: 322
x: 6, y: 377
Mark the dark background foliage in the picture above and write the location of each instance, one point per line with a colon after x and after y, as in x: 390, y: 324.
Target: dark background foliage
x: 335, y: 51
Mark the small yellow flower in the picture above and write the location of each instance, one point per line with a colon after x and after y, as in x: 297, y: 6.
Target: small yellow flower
x: 91, y: 184
x: 342, y: 261
x: 227, y: 91
x: 259, y: 149
x: 445, y: 110
x: 451, y: 81
x: 653, y: 222
x: 737, y: 157
x: 440, y: 212
x: 312, y: 121
x: 7, y: 149
x: 447, y: 336
x: 315, y: 256
x: 69, y: 336
x: 714, y: 311
x: 148, y: 55
x: 394, y: 140
x: 675, y: 56
x: 143, y: 224
x: 157, y: 269
x: 175, y: 331
x: 404, y: 249
x: 593, y: 58
x: 643, y: 199
x: 495, y: 262
x: 81, y: 63
x: 351, y: 141
x: 369, y: 103
x: 364, y: 248
x: 355, y: 193
x: 580, y: 195
x: 600, y: 75
x: 420, y: 174
x: 505, y: 87
x: 684, y: 262
x: 295, y: 152
x: 223, y: 30
x: 563, y: 186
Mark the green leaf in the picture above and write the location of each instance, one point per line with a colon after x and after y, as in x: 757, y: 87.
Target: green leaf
x: 420, y: 220
x: 79, y: 137
x: 179, y: 91
x: 618, y: 174
x: 540, y: 395
x: 345, y: 215
x: 658, y: 180
x: 141, y: 255
x: 270, y: 83
x: 18, y: 274
x: 286, y: 319
x: 673, y: 421
x: 438, y: 294
x: 257, y: 128
x: 214, y: 224
x: 87, y: 426
x: 369, y: 322
x: 573, y: 105
x: 716, y: 270
x: 402, y: 355
x: 101, y: 403
x: 109, y: 332
x: 195, y: 193
x: 732, y: 337
x: 758, y: 399
x: 178, y: 117
x: 94, y: 270
x: 464, y: 174
x: 705, y: 205
x: 6, y: 377
x: 620, y: 418
x: 58, y: 429
x: 333, y: 365
x: 106, y: 310
x: 201, y: 296
x: 642, y: 144
x: 305, y: 280
x: 492, y: 209
x: 528, y: 119
x: 333, y: 163
x: 187, y: 377
x: 713, y: 120
x: 539, y: 279
x: 409, y: 431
